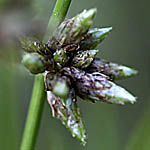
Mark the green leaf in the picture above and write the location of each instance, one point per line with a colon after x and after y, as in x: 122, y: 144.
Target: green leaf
x: 140, y: 137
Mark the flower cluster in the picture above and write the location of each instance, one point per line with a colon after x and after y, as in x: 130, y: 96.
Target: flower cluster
x: 71, y: 69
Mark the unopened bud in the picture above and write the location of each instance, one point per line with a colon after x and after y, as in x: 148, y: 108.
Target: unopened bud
x: 61, y: 89
x: 82, y: 22
x: 59, y: 85
x: 113, y: 70
x: 35, y: 63
x: 94, y: 37
x: 72, y: 30
x: 97, y: 87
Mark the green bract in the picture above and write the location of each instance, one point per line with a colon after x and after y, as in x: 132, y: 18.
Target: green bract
x: 67, y: 110
x: 70, y: 68
x: 113, y: 70
x: 32, y: 45
x: 84, y: 58
x: 71, y: 31
x: 94, y: 37
x: 35, y: 63
x: 60, y: 58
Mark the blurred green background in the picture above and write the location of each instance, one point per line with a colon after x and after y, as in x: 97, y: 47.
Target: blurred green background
x: 109, y: 127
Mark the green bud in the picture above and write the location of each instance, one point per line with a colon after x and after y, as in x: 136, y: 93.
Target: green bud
x: 34, y: 62
x: 59, y: 85
x: 61, y: 89
x: 31, y: 45
x: 94, y: 37
x: 60, y: 58
x: 97, y: 87
x: 68, y: 112
x: 82, y: 22
x: 72, y: 30
x: 113, y: 70
x: 84, y: 58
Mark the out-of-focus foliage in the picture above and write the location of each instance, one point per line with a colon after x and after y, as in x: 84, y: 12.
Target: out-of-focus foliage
x: 109, y: 127
x: 140, y: 138
x: 7, y: 114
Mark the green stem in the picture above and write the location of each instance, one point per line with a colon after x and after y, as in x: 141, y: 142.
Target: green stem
x: 38, y: 94
x: 58, y: 15
x: 34, y: 114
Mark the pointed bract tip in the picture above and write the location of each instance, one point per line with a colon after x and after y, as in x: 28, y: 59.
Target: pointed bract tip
x: 83, y: 141
x: 94, y: 52
x: 80, y: 135
x: 87, y: 14
x: 107, y: 29
x: 91, y: 13
x: 119, y: 95
x: 94, y: 37
x: 123, y: 72
x: 133, y: 72
x: 129, y: 71
x: 104, y: 31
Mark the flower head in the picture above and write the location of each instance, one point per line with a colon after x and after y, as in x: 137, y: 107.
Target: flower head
x: 71, y: 69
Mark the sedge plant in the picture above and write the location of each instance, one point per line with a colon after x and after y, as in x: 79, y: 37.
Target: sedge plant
x: 69, y: 68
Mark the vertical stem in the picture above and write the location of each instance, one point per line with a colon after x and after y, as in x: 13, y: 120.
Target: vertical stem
x: 38, y: 94
x: 34, y: 114
x: 58, y: 15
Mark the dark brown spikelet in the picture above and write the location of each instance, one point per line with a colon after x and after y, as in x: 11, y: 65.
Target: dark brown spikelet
x: 97, y: 87
x: 113, y: 70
